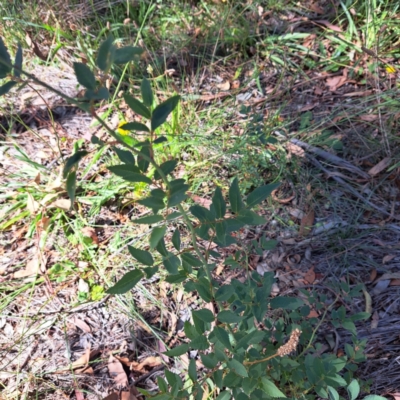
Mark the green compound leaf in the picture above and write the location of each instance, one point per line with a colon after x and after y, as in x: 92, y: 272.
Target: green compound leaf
x: 286, y: 303
x: 4, y: 89
x: 142, y: 256
x: 161, y: 112
x: 105, y: 56
x: 238, y: 367
x: 156, y: 235
x: 205, y: 315
x: 5, y: 57
x: 177, y: 351
x: 172, y: 263
x: 127, y: 282
x: 130, y: 173
x: 137, y: 106
x: 135, y: 126
x: 270, y: 389
x: 85, y: 76
x: 219, y: 203
x: 167, y: 167
x: 224, y: 293
x: 73, y: 161
x: 149, y: 220
x: 191, y: 260
x: 126, y: 54
x: 260, y: 194
x: 147, y: 93
x: 71, y: 186
x: 235, y: 198
x: 177, y: 192
x: 18, y: 62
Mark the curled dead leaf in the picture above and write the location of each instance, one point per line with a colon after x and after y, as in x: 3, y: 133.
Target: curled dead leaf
x: 306, y: 223
x: 381, y: 166
x: 117, y: 372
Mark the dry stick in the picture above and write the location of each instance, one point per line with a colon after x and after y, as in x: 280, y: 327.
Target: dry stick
x: 331, y: 158
x: 348, y: 187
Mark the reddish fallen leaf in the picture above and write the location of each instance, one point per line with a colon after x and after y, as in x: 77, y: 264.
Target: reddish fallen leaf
x: 117, y: 372
x: 388, y: 258
x: 294, y: 149
x: 309, y: 277
x: 313, y: 314
x: 368, y: 117
x: 329, y: 25
x: 395, y: 282
x: 281, y: 201
x: 80, y: 324
x: 336, y: 82
x: 382, y: 165
x: 90, y: 232
x: 201, y: 201
x: 32, y: 268
x: 149, y: 362
x: 224, y: 86
x: 375, y: 320
x: 373, y: 275
x: 306, y: 223
x: 396, y: 396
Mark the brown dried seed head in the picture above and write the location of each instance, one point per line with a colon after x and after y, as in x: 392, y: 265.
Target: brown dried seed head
x: 291, y: 345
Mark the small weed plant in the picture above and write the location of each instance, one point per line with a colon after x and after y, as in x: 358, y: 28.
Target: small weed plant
x: 252, y: 345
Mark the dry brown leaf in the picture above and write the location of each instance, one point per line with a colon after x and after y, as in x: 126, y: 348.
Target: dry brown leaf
x: 128, y: 395
x: 224, y: 86
x: 396, y: 396
x: 395, y: 282
x: 80, y: 324
x: 281, y: 201
x: 112, y: 396
x: 368, y: 117
x: 374, y: 320
x: 389, y: 275
x: 294, y: 149
x: 32, y: 268
x: 90, y: 232
x: 388, y: 258
x: 373, y: 275
x: 117, y: 372
x: 149, y: 362
x: 63, y: 204
x: 309, y: 277
x: 382, y: 165
x: 201, y: 201
x: 306, y: 223
x: 236, y: 84
x: 31, y: 204
x: 335, y: 82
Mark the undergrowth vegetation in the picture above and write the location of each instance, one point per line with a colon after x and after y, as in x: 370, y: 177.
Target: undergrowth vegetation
x: 189, y: 182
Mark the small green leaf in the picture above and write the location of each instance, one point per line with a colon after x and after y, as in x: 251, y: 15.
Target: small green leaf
x: 353, y: 389
x: 167, y: 167
x: 147, y: 93
x: 270, y: 388
x: 85, y: 76
x: 260, y: 194
x: 374, y: 397
x: 71, y: 186
x: 161, y: 112
x: 201, y: 213
x: 160, y: 139
x: 286, y: 303
x: 155, y: 203
x: 223, y: 337
x: 238, y: 367
x: 4, y: 89
x: 209, y: 361
x: 177, y: 351
x: 135, y: 126
x: 149, y: 220
x: 73, y: 161
x: 176, y: 239
x: 156, y: 235
x: 235, y: 198
x: 199, y: 343
x: 125, y: 156
x: 225, y: 395
x: 142, y: 256
x: 224, y: 293
x: 173, y: 215
x: 192, y: 370
x: 127, y: 282
x: 204, y: 291
x: 129, y: 173
x: 18, y: 62
x: 332, y: 393
x: 143, y: 162
x: 204, y: 314
x: 137, y: 106
x: 162, y: 249
x: 105, y: 56
x: 228, y: 317
x: 99, y: 94
x: 171, y: 263
x: 249, y: 217
x: 126, y: 54
x: 219, y: 203
x: 5, y: 57
x: 191, y: 260
x: 177, y: 192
